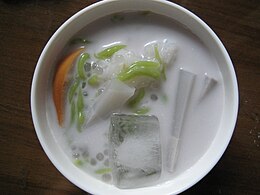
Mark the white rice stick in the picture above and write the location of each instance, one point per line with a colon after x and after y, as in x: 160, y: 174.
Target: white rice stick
x: 208, y: 84
x: 185, y: 85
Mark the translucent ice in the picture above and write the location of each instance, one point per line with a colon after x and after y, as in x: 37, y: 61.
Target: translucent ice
x: 135, y: 150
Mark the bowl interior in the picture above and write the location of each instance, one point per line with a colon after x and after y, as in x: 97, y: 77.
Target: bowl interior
x: 45, y: 68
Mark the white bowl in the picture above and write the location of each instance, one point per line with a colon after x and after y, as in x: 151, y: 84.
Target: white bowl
x: 92, y: 13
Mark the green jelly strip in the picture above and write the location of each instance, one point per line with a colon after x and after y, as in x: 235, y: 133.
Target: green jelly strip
x: 137, y: 98
x: 117, y: 17
x: 146, y: 64
x: 142, y: 110
x: 72, y: 112
x: 81, y: 119
x: 164, y: 98
x: 80, y: 41
x: 109, y: 52
x: 141, y: 68
x: 157, y: 56
x: 80, y: 102
x: 78, y: 162
x: 73, y: 89
x: 80, y: 109
x: 145, y: 13
x: 82, y: 61
x: 103, y: 171
x: 93, y: 80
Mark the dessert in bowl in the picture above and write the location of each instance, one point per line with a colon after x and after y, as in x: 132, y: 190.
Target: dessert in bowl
x: 134, y: 97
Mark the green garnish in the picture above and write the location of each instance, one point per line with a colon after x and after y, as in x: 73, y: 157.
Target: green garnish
x: 141, y: 68
x: 137, y: 98
x: 157, y: 56
x: 109, y: 52
x: 103, y: 171
x: 142, y: 110
x: 93, y: 80
x: 82, y: 61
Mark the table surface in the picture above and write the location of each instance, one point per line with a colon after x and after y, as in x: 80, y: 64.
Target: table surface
x: 26, y: 26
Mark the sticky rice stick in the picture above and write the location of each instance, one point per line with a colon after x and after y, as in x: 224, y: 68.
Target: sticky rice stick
x: 207, y: 85
x: 185, y: 85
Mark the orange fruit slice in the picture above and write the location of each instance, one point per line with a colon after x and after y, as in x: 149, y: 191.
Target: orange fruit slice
x: 60, y: 82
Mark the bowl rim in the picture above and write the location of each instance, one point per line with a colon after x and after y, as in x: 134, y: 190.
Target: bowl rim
x: 199, y: 174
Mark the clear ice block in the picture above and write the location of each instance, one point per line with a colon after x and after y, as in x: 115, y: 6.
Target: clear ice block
x: 135, y: 150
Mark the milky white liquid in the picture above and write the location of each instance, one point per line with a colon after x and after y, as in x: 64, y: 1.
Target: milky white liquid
x: 202, y: 119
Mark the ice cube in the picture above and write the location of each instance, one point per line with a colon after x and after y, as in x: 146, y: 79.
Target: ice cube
x: 135, y: 150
